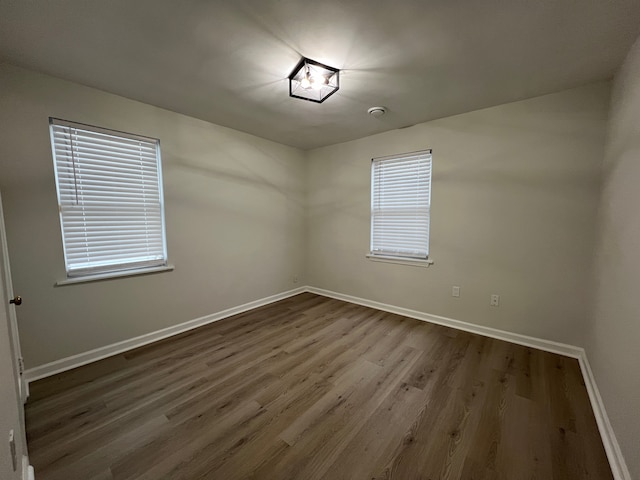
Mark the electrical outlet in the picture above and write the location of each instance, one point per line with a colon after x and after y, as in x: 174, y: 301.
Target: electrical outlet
x: 455, y: 291
x: 495, y: 300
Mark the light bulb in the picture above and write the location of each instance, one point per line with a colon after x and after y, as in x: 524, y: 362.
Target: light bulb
x: 318, y: 81
x: 305, y: 82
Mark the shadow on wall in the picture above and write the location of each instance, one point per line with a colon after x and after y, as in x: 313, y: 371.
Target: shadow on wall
x: 621, y: 141
x: 526, y: 166
x: 521, y: 161
x: 234, y: 175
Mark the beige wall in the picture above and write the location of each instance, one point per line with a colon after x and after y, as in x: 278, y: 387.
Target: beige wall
x: 515, y: 192
x: 613, y: 341
x: 234, y: 215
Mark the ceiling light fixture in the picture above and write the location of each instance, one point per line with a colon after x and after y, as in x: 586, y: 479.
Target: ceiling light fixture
x: 313, y: 81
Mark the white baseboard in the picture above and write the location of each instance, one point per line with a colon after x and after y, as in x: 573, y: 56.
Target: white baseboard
x: 74, y: 361
x: 539, y: 343
x: 27, y: 470
x: 611, y: 446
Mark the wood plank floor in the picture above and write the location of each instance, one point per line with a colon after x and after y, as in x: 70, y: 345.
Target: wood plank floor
x: 315, y: 388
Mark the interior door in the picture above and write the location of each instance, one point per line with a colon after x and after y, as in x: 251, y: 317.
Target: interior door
x: 14, y: 464
x: 14, y: 300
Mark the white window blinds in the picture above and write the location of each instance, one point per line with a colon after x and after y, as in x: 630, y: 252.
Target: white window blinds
x: 110, y: 198
x: 400, y: 202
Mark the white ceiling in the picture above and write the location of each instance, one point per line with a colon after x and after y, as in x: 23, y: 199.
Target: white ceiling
x: 227, y: 61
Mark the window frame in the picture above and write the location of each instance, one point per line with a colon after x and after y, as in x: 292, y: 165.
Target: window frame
x: 396, y: 257
x: 125, y: 267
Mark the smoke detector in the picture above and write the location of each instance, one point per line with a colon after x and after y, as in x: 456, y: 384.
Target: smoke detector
x: 377, y: 111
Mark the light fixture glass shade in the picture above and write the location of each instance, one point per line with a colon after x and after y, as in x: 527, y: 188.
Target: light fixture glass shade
x: 313, y: 81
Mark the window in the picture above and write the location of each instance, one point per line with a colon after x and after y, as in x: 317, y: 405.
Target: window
x: 400, y: 203
x: 110, y: 199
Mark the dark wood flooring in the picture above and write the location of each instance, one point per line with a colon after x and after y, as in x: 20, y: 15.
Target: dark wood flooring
x: 315, y: 388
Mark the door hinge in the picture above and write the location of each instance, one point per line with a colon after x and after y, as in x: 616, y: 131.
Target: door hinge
x: 12, y: 449
x: 21, y: 365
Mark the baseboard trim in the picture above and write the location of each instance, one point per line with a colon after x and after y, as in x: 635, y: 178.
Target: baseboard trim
x: 74, y: 361
x: 611, y: 446
x: 527, y: 341
x: 27, y: 470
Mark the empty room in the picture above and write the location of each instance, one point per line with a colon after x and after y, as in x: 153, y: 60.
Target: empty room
x: 341, y: 240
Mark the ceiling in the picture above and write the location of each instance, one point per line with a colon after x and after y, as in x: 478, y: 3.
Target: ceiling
x: 227, y: 61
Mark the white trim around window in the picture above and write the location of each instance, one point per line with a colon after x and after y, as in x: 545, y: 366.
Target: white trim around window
x: 110, y: 200
x: 400, y: 207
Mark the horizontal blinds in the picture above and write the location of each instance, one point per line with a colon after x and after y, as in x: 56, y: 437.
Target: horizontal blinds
x: 110, y: 198
x: 400, y: 202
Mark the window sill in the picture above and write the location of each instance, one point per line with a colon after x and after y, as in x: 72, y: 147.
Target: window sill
x: 414, y: 262
x: 110, y: 275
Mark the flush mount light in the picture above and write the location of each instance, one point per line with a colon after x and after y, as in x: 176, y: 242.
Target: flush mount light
x: 313, y: 81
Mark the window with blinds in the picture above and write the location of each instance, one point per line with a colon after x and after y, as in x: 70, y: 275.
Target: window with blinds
x: 400, y: 203
x: 110, y: 199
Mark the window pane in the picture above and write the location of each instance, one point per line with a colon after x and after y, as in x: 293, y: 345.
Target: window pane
x: 400, y: 204
x: 110, y: 198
